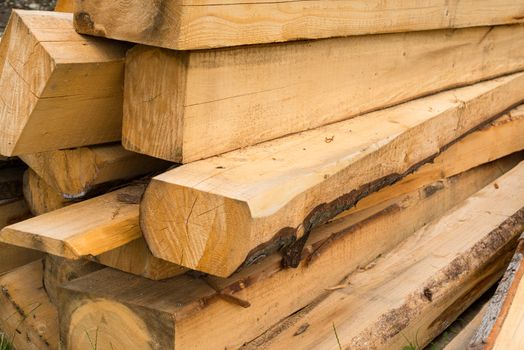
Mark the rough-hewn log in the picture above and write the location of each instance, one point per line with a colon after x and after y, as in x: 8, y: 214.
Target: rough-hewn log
x: 40, y: 197
x: 75, y: 172
x: 58, y: 270
x: 241, y: 96
x: 59, y: 89
x: 413, y: 293
x: 12, y: 211
x: 28, y: 318
x: 190, y: 24
x: 207, y: 313
x: 216, y: 214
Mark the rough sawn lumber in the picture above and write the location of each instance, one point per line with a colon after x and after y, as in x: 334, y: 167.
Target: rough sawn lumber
x: 215, y: 214
x: 188, y: 105
x: 187, y: 313
x: 59, y: 89
x: 416, y: 290
x: 190, y: 24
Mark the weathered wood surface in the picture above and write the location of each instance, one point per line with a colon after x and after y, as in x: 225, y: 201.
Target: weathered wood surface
x: 12, y: 257
x: 75, y: 172
x: 462, y: 339
x: 40, y: 197
x: 28, y: 318
x: 136, y: 258
x: 493, y: 141
x: 186, y: 313
x: 58, y: 270
x: 502, y: 327
x: 59, y: 89
x: 415, y: 291
x: 242, y: 96
x: 215, y: 214
x: 185, y: 25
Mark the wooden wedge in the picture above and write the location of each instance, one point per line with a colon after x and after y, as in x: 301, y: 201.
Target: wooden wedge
x: 75, y: 96
x: 192, y: 24
x: 217, y: 214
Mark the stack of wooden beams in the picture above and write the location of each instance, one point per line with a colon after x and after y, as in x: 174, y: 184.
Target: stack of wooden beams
x: 277, y: 175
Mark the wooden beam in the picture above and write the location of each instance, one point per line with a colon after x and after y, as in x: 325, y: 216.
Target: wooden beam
x: 103, y: 229
x: 136, y: 258
x: 502, y: 327
x: 186, y: 25
x: 494, y: 140
x: 40, y: 197
x: 58, y: 270
x: 76, y: 97
x: 29, y: 320
x: 245, y: 95
x: 75, y: 172
x: 64, y: 6
x: 216, y: 214
x: 11, y: 257
x: 412, y: 293
x: 186, y: 313
x: 91, y: 227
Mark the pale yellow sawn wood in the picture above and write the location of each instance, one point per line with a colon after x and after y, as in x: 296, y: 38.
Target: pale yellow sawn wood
x: 413, y: 292
x: 186, y: 25
x: 74, y: 172
x: 188, y: 105
x: 59, y: 89
x: 188, y: 314
x: 213, y: 214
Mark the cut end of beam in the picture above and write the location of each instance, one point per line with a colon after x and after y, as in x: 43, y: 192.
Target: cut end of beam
x: 76, y: 97
x: 197, y: 245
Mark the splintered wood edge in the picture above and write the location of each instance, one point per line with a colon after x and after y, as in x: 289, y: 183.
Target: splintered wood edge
x: 498, y: 308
